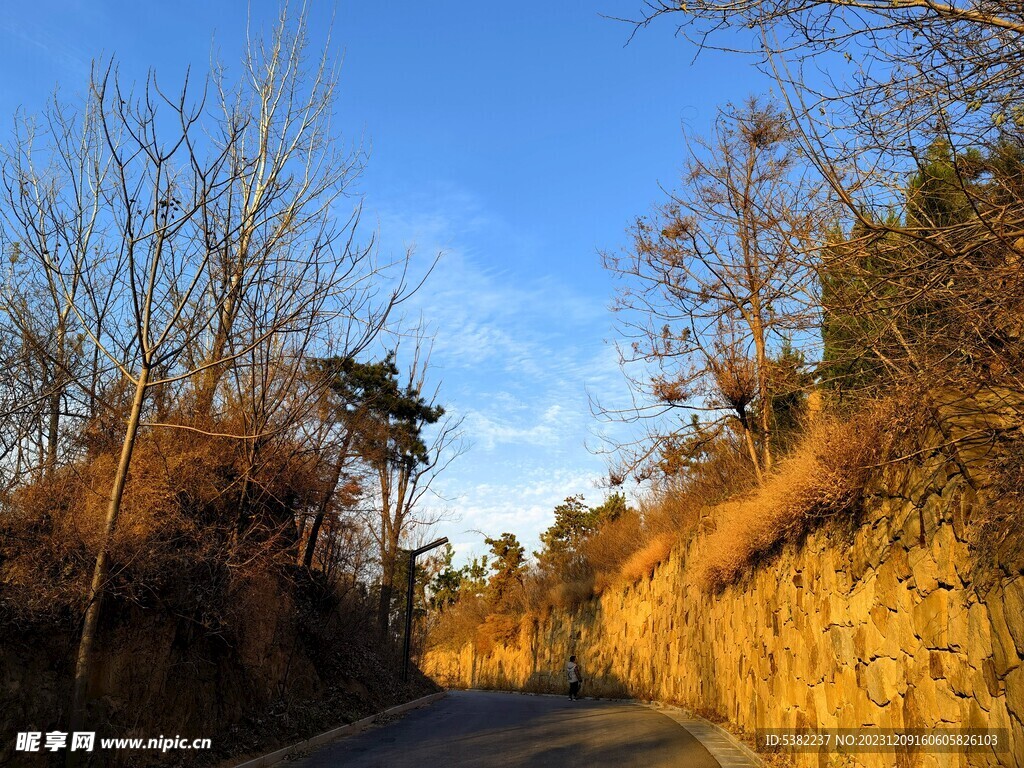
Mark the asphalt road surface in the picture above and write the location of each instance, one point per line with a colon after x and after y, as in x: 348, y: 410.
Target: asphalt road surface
x: 502, y: 730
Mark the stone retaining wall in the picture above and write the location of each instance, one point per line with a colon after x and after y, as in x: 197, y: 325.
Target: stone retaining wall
x: 882, y: 624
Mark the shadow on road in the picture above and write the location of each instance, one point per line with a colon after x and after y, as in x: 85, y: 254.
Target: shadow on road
x: 492, y: 730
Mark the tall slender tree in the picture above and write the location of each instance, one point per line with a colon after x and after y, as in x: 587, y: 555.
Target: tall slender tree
x: 405, y: 440
x: 719, y: 280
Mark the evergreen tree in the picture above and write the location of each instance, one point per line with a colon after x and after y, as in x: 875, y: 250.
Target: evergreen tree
x: 509, y: 566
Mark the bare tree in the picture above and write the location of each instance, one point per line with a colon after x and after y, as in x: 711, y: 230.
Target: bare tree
x: 902, y: 78
x: 918, y: 130
x: 288, y: 172
x: 51, y: 375
x: 899, y: 65
x: 179, y: 252
x: 720, y: 279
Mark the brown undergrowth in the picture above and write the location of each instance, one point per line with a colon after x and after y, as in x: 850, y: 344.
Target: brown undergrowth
x: 823, y: 476
x: 208, y: 627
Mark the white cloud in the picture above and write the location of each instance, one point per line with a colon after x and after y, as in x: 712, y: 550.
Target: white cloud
x: 492, y: 431
x: 518, y: 354
x: 42, y: 41
x: 525, y: 508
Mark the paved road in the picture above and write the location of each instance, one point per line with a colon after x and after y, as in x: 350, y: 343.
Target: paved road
x: 501, y: 730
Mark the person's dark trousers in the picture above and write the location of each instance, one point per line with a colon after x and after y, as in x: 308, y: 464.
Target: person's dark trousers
x: 574, y: 688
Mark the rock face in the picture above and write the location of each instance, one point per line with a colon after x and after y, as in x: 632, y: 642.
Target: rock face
x: 880, y: 624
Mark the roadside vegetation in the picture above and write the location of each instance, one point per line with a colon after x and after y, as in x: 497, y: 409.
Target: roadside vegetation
x: 217, y: 429
x: 214, y: 435
x: 833, y: 288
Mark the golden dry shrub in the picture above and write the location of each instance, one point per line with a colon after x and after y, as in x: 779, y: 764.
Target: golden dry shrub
x: 176, y: 525
x: 457, y: 624
x: 823, y: 476
x: 632, y: 545
x: 572, y: 593
x: 642, y: 562
x: 536, y: 591
x: 497, y: 629
x: 997, y: 526
x: 611, y: 545
x: 43, y: 566
x: 55, y: 526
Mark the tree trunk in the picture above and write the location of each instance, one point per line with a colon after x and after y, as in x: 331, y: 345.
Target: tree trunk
x: 757, y: 327
x: 53, y: 432
x: 389, y: 566
x: 384, y: 608
x: 764, y: 386
x: 84, y: 662
x: 55, y: 402
x: 748, y: 438
x: 318, y: 520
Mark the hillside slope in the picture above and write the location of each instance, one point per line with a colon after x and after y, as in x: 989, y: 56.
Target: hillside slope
x: 881, y: 621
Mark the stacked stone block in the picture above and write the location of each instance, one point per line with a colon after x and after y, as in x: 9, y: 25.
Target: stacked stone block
x: 881, y: 622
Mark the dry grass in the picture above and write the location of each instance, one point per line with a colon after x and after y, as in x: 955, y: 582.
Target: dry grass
x: 458, y: 624
x: 997, y: 527
x: 497, y: 629
x: 571, y: 594
x: 613, y: 544
x: 228, y: 621
x: 631, y: 547
x: 173, y: 541
x: 641, y: 564
x: 823, y: 476
x: 716, y: 503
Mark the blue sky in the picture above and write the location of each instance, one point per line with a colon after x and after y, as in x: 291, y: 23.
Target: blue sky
x: 517, y: 140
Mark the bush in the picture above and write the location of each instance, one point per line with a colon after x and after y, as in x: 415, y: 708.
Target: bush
x: 997, y: 528
x: 571, y: 594
x: 642, y: 563
x: 824, y: 476
x: 612, y: 545
x: 630, y: 547
x: 497, y: 629
x: 457, y: 624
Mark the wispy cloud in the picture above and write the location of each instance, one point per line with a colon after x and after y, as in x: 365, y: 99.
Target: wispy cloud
x: 525, y: 508
x: 38, y: 39
x: 520, y: 355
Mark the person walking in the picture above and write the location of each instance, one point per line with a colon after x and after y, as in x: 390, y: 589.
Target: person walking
x: 575, y: 678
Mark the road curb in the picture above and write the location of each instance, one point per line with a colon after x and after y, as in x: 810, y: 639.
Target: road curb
x: 278, y: 755
x: 729, y: 751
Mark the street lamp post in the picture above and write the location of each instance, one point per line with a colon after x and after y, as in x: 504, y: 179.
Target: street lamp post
x: 408, y: 600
